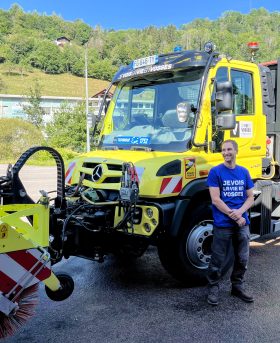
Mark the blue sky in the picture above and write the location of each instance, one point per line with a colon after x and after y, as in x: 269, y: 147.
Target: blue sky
x: 120, y: 14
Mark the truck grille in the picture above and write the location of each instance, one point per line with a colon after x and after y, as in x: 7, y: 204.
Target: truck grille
x: 111, y: 174
x: 91, y: 165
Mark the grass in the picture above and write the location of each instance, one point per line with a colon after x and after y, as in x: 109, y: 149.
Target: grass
x: 12, y: 82
x: 43, y: 158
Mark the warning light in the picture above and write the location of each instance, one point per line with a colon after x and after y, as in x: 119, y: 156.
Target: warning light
x: 178, y: 48
x: 253, y: 48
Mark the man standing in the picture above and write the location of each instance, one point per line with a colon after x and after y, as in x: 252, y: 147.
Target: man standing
x: 231, y: 191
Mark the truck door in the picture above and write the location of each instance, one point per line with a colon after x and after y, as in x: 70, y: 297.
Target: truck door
x: 243, y: 107
x: 250, y: 129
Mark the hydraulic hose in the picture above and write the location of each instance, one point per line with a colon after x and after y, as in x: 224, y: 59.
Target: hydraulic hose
x: 19, y: 193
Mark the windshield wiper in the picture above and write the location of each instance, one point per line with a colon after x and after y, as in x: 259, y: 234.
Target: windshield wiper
x: 110, y: 147
x: 139, y: 148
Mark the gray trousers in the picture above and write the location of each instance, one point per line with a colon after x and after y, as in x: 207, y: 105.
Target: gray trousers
x: 223, y: 237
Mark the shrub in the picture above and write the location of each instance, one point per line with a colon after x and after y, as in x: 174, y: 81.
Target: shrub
x: 17, y: 136
x: 44, y: 158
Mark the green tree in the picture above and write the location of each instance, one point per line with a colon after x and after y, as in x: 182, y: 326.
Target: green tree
x: 81, y: 32
x: 70, y: 57
x: 103, y: 70
x: 68, y: 128
x: 5, y: 23
x: 47, y: 57
x: 33, y: 109
x: 5, y: 52
x: 21, y: 46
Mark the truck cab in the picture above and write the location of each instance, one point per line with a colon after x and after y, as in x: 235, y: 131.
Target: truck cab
x: 161, y: 135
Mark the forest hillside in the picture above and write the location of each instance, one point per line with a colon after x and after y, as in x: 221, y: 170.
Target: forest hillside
x: 28, y: 48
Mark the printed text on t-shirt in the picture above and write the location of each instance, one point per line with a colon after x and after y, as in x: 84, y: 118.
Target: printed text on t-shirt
x: 233, y: 188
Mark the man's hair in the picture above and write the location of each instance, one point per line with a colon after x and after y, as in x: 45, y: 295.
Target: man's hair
x: 235, y: 145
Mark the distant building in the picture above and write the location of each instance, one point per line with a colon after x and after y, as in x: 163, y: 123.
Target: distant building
x: 11, y: 106
x: 61, y: 41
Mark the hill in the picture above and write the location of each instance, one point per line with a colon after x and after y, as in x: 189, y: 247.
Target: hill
x: 29, y: 40
x: 29, y: 47
x: 12, y: 81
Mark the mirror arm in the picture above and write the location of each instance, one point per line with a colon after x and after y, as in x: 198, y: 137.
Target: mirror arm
x: 212, y: 56
x: 98, y: 118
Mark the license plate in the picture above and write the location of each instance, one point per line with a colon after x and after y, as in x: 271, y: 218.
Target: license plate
x: 145, y: 61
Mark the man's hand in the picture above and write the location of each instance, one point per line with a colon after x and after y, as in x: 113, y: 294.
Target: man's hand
x: 241, y: 222
x: 235, y: 214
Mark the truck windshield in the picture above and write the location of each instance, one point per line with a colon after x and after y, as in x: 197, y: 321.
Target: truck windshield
x: 144, y: 116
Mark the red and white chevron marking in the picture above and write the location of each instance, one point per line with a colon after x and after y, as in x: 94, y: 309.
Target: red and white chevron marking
x: 14, y: 265
x: 171, y: 185
x: 69, y: 172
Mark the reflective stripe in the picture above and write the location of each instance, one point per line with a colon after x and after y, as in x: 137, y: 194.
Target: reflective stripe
x: 171, y: 185
x: 6, y: 283
x: 27, y: 260
x: 15, y: 268
x: 69, y: 172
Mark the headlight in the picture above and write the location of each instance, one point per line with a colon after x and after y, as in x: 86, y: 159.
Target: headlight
x: 149, y: 212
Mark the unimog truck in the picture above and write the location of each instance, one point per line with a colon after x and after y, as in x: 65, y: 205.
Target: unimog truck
x: 144, y: 182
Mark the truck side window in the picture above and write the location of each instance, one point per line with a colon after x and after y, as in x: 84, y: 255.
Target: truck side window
x: 243, y: 92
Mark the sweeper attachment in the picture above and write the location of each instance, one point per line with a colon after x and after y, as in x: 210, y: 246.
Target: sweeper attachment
x: 81, y: 220
x: 24, y: 257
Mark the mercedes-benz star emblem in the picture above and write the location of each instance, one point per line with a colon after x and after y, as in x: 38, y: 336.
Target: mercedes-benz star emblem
x: 97, y: 173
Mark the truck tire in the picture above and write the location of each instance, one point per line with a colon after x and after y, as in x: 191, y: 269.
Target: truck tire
x: 186, y: 257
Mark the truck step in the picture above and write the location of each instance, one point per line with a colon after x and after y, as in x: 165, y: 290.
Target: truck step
x: 275, y: 225
x: 254, y: 236
x: 254, y: 214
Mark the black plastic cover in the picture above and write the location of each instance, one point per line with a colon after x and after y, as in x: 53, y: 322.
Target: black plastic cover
x: 167, y: 62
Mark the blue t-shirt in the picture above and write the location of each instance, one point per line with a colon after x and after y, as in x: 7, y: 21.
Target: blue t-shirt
x: 233, y: 184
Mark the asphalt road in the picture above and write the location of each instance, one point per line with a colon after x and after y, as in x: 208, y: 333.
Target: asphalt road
x: 139, y: 302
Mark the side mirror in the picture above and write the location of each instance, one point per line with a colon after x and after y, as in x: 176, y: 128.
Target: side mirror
x: 226, y: 121
x: 184, y: 113
x: 224, y: 96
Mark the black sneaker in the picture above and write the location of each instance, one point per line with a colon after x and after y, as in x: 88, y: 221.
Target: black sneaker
x: 213, y: 295
x: 239, y: 293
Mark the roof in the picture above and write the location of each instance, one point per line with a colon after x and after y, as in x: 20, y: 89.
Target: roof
x: 62, y: 38
x: 269, y: 63
x: 101, y: 93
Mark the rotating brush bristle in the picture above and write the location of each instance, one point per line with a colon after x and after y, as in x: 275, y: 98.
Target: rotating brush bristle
x: 26, y: 301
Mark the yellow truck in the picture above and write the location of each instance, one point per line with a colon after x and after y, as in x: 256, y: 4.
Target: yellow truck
x: 144, y: 183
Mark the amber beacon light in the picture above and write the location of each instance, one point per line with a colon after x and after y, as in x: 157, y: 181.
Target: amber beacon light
x: 253, y: 48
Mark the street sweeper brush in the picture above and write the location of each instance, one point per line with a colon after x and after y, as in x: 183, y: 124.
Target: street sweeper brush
x: 24, y: 262
x: 24, y: 309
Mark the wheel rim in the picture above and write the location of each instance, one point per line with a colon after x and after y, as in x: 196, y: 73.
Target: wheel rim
x: 198, y: 246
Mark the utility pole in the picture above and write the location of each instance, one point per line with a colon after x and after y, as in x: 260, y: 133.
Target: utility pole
x: 86, y: 81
